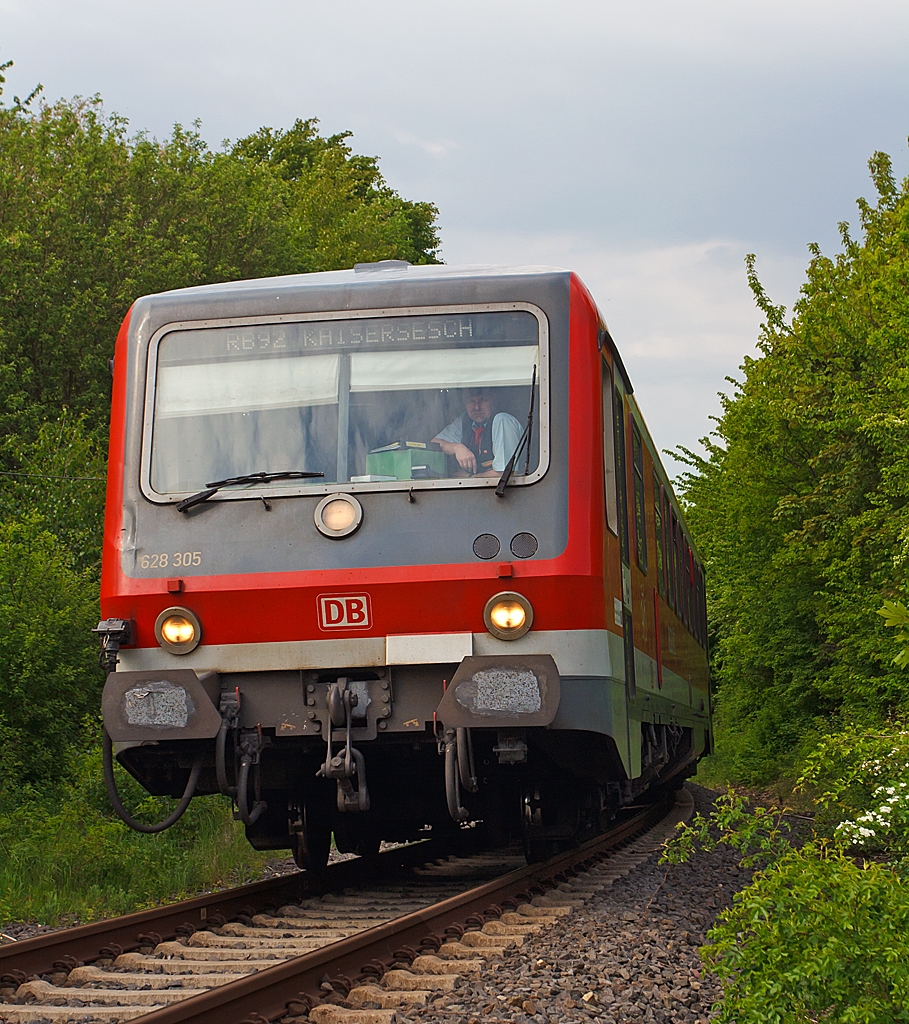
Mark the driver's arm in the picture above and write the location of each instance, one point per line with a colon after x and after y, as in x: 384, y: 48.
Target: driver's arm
x: 465, y: 457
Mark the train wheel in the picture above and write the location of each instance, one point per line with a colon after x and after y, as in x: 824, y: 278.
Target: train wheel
x: 311, y: 849
x: 312, y: 842
x: 549, y: 821
x: 368, y: 846
x: 538, y: 850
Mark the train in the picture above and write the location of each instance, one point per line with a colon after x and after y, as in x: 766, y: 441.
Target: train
x: 389, y: 552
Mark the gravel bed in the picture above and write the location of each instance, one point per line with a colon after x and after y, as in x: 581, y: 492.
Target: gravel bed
x: 15, y: 931
x: 629, y: 954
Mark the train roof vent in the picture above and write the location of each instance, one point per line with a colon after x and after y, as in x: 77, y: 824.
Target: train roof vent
x: 372, y: 268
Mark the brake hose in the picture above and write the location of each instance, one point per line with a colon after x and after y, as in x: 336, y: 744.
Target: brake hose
x: 452, y: 790
x: 111, y: 784
x: 221, y: 760
x: 247, y: 816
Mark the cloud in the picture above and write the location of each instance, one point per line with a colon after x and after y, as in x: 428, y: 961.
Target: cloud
x: 655, y: 120
x: 438, y: 149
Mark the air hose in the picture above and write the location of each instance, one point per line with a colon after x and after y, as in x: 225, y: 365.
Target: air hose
x: 248, y: 816
x: 452, y: 789
x: 124, y: 815
x: 240, y: 792
x: 466, y: 770
x: 221, y: 760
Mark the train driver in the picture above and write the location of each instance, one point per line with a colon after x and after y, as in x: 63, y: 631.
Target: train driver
x: 482, y: 439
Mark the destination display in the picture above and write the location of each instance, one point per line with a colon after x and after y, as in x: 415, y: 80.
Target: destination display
x: 376, y: 333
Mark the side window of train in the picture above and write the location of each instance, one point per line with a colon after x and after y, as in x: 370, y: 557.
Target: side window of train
x: 640, y: 502
x: 674, y: 559
x: 695, y: 599
x: 684, y: 577
x: 687, y: 580
x: 694, y: 624
x: 659, y: 535
x: 612, y: 501
x: 702, y: 601
x: 621, y: 470
x: 674, y: 566
x: 698, y: 604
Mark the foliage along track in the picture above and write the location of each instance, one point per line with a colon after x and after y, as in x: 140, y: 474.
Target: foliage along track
x: 382, y: 946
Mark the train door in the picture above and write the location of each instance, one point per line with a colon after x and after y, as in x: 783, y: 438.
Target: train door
x: 617, y: 510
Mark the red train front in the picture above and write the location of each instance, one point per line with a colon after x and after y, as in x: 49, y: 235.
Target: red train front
x: 389, y: 549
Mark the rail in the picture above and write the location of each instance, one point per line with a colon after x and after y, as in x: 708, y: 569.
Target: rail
x: 296, y: 982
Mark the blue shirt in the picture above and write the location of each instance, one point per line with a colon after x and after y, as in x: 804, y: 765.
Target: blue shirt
x: 506, y: 432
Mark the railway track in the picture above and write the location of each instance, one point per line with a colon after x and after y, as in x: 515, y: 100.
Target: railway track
x: 286, y: 950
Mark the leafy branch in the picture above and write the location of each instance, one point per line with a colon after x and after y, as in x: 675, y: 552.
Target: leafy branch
x: 896, y: 615
x: 759, y: 834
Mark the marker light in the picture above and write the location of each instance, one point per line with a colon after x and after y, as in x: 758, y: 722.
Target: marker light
x: 338, y: 515
x: 177, y: 630
x: 508, y: 615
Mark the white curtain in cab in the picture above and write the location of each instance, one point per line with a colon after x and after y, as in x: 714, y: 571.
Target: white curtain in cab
x: 246, y: 386
x: 443, y: 368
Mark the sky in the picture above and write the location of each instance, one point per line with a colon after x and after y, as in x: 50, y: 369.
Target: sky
x: 649, y: 146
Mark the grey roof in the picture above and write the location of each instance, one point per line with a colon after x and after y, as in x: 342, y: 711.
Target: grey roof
x: 368, y: 274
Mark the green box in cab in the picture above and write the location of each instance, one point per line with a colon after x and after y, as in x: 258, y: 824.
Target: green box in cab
x: 407, y: 463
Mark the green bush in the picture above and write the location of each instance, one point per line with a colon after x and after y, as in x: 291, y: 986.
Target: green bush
x: 859, y: 780
x: 816, y: 936
x: 49, y: 677
x: 60, y: 477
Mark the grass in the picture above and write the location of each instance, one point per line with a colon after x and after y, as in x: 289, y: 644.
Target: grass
x: 69, y: 859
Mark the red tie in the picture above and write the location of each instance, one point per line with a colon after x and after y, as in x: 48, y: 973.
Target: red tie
x: 477, y: 434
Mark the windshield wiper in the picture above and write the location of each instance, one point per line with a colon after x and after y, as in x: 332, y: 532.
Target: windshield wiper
x: 246, y: 478
x: 522, y: 444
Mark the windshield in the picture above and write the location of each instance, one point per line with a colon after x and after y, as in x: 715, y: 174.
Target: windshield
x: 361, y: 400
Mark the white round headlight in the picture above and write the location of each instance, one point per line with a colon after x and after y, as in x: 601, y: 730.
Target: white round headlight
x: 338, y: 515
x: 508, y: 615
x: 178, y: 630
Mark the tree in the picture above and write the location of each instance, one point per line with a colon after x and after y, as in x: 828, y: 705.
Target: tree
x: 91, y: 218
x: 801, y: 505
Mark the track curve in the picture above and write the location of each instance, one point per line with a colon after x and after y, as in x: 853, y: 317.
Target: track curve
x: 233, y: 962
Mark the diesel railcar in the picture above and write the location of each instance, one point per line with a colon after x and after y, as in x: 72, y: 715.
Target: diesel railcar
x: 388, y: 550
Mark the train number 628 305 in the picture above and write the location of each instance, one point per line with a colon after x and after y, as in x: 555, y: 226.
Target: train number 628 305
x: 164, y: 560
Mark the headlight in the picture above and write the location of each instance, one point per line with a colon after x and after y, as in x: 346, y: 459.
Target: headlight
x: 508, y: 615
x: 177, y: 630
x: 338, y: 515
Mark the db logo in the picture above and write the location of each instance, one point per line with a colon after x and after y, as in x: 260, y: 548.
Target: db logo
x: 344, y: 611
